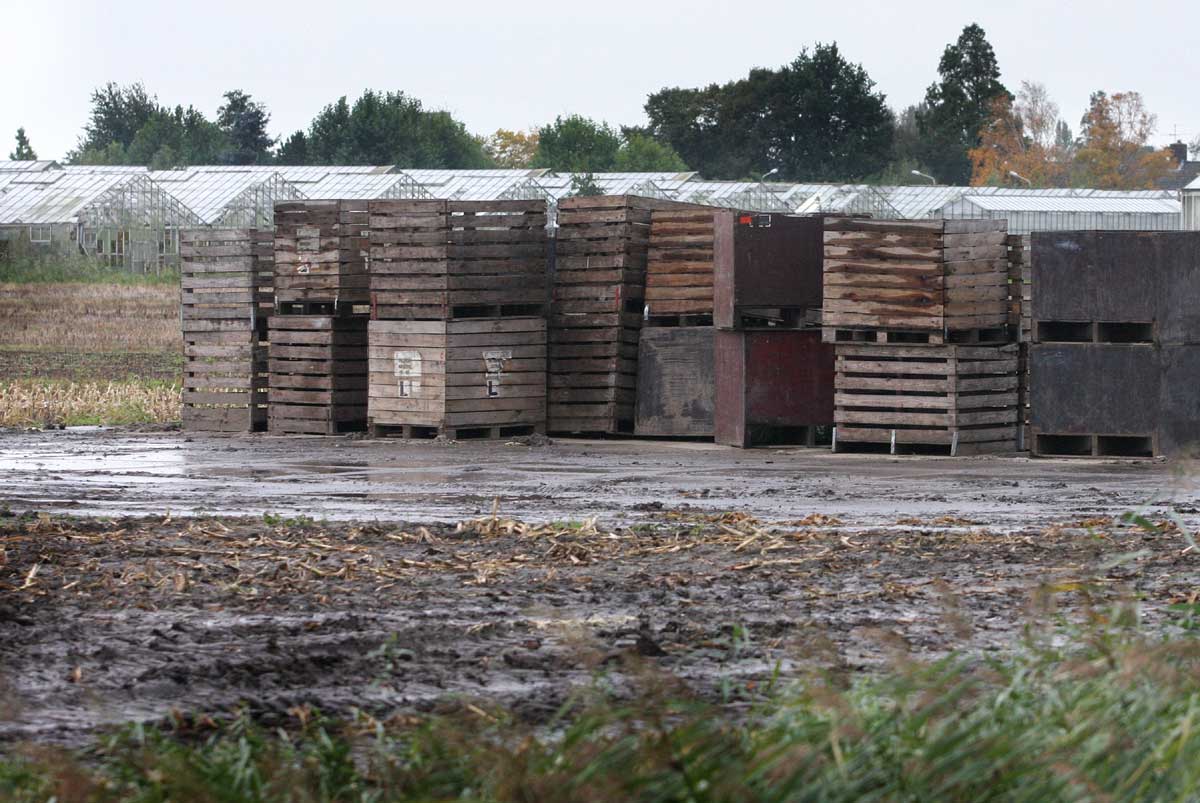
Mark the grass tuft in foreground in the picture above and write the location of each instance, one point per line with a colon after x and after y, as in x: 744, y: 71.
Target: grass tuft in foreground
x: 52, y: 403
x: 1116, y: 716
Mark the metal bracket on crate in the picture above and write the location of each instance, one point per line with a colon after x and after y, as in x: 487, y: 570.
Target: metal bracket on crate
x: 893, y: 449
x: 954, y: 444
x: 833, y: 445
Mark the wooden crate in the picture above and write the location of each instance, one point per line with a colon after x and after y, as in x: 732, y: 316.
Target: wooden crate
x: 957, y: 398
x: 224, y: 330
x: 597, y: 301
x: 676, y: 387
x: 679, y: 264
x: 929, y: 281
x: 444, y: 260
x: 1020, y: 286
x: 321, y: 251
x: 465, y: 378
x: 318, y: 374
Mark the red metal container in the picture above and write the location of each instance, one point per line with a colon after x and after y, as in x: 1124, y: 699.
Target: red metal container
x: 773, y: 386
x: 765, y: 262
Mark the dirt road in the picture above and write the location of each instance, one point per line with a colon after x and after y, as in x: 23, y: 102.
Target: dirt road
x: 715, y: 566
x: 339, y: 479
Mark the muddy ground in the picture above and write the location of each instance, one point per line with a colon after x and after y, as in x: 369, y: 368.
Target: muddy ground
x: 711, y: 564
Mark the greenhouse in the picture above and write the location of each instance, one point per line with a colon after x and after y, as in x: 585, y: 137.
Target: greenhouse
x: 1029, y: 212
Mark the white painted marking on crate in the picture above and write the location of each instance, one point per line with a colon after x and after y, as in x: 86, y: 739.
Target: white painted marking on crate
x: 407, y: 367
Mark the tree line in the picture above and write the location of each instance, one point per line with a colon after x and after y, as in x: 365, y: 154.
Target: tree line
x: 818, y: 118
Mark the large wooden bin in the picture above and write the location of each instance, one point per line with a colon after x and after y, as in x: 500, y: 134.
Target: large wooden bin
x: 676, y: 389
x: 459, y: 379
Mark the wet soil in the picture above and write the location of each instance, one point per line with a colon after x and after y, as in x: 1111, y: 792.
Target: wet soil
x: 716, y: 566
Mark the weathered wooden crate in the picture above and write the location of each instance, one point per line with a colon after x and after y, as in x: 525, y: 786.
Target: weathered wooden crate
x: 1114, y: 399
x: 445, y: 260
x: 224, y: 330
x: 1020, y: 286
x: 460, y: 379
x: 929, y: 281
x: 676, y: 386
x: 596, y: 312
x: 679, y: 266
x: 957, y: 398
x: 1116, y: 287
x: 318, y: 374
x: 321, y: 250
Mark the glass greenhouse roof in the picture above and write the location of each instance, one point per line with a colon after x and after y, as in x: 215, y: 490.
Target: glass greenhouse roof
x: 53, y: 196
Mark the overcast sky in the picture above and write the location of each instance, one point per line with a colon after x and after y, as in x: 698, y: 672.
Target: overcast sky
x: 518, y: 64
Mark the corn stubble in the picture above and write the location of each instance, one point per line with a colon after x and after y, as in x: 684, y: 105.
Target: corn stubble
x: 32, y: 403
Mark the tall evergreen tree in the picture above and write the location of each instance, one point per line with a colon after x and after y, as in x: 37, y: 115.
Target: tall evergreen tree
x: 24, y: 151
x: 960, y: 105
x: 245, y: 125
x: 817, y: 118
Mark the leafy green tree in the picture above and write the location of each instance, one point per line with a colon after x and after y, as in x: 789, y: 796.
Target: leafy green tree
x: 386, y: 128
x: 118, y: 113
x: 294, y: 150
x: 577, y: 144
x: 584, y: 184
x: 185, y: 134
x: 641, y: 153
x: 817, y: 118
x: 24, y: 151
x: 960, y: 105
x: 244, y: 123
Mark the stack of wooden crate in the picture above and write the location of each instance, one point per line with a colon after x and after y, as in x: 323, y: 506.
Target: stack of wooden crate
x: 919, y: 313
x: 774, y: 376
x: 1116, y: 343
x: 675, y: 359
x: 598, y: 297
x: 318, y: 346
x: 679, y: 267
x: 224, y: 329
x: 458, y: 330
x: 1020, y: 320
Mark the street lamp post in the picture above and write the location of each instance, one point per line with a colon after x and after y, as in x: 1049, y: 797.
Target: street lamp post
x: 1019, y: 177
x: 918, y: 173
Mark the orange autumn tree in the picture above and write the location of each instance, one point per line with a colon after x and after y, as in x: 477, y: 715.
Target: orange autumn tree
x: 1114, y: 151
x: 511, y: 149
x: 1021, y: 137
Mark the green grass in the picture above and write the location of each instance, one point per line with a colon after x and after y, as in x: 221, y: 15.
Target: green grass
x: 59, y: 267
x: 1115, y: 715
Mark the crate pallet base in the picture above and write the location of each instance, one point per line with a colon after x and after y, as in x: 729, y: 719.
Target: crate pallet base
x: 289, y: 420
x: 900, y: 441
x: 1075, y: 445
x: 668, y: 321
x: 988, y: 336
x: 413, y: 432
x: 318, y: 375
x: 961, y: 399
x: 226, y: 419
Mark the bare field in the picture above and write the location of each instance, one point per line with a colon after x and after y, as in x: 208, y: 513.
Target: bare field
x: 90, y: 318
x: 89, y: 354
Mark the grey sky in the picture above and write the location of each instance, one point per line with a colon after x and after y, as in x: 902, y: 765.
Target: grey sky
x: 516, y: 65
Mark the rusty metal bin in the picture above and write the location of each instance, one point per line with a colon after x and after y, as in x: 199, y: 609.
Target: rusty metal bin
x: 773, y: 386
